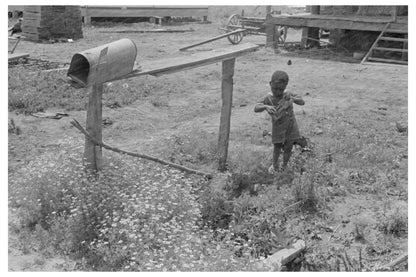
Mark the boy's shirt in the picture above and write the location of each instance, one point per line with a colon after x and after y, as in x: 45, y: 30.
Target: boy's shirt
x: 284, y: 125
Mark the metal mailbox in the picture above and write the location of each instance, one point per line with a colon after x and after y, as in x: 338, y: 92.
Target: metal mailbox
x: 103, y: 63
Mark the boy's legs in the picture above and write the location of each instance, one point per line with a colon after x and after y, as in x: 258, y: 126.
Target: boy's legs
x: 287, y: 152
x: 276, y: 153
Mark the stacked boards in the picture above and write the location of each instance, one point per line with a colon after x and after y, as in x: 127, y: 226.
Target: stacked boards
x: 52, y: 22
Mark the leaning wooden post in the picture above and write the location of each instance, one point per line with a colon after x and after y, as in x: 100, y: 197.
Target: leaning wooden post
x: 92, y: 152
x: 225, y: 120
x: 93, y: 156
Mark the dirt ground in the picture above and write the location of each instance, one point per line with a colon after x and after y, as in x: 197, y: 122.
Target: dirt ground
x: 193, y: 101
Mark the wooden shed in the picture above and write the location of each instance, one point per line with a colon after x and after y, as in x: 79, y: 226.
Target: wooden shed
x: 52, y: 22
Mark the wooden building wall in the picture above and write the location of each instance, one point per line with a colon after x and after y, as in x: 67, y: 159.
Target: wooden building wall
x: 362, y: 10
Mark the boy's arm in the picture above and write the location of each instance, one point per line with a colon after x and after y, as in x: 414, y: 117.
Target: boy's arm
x: 297, y: 99
x: 261, y: 106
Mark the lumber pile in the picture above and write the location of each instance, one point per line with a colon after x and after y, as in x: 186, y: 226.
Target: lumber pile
x: 52, y: 22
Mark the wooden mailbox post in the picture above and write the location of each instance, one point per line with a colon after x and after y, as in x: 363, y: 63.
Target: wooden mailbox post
x: 93, y: 152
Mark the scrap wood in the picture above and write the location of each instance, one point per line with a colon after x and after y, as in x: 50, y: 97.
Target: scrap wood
x: 276, y: 261
x: 150, y: 31
x: 77, y: 125
x: 49, y: 115
x: 16, y: 56
x: 401, y: 259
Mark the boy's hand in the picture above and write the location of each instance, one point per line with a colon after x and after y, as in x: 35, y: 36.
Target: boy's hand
x: 270, y: 109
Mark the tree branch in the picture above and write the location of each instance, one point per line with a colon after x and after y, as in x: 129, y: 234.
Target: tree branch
x: 77, y: 125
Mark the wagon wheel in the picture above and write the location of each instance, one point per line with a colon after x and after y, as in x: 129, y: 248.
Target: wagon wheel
x: 281, y: 34
x: 234, y: 23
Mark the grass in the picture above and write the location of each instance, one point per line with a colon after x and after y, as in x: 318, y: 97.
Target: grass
x: 32, y: 90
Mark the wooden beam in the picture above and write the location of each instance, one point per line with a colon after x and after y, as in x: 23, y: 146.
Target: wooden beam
x: 336, y: 23
x: 394, y: 13
x: 171, y: 65
x: 225, y: 119
x: 271, y: 40
x: 93, y: 156
x: 93, y: 152
x: 405, y: 47
x: 375, y: 43
x: 212, y: 39
x: 387, y: 60
x: 16, y: 56
x: 144, y: 11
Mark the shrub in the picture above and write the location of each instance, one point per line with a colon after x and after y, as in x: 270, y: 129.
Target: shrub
x: 248, y: 167
x: 393, y: 221
x: 13, y: 128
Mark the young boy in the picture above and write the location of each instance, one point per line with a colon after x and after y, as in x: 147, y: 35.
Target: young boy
x: 279, y: 104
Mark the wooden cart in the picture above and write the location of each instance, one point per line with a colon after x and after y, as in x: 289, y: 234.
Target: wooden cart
x: 252, y: 26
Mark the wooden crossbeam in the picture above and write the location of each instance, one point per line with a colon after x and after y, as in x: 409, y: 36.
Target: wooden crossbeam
x: 386, y: 60
x: 394, y: 39
x: 171, y: 65
x: 390, y: 49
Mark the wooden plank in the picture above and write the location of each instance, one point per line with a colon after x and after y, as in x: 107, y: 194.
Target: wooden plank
x: 384, y: 64
x: 31, y: 22
x: 394, y: 39
x: 12, y: 8
x: 170, y: 65
x: 386, y: 60
x: 33, y: 9
x: 225, y: 119
x: 16, y: 56
x: 375, y: 43
x: 390, y: 49
x: 405, y: 46
x: 284, y: 256
x: 212, y: 39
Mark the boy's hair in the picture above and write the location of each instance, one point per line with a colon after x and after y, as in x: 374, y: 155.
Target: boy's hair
x: 280, y: 75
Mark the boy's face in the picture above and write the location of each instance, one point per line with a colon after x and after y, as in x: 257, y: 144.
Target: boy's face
x: 278, y: 86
